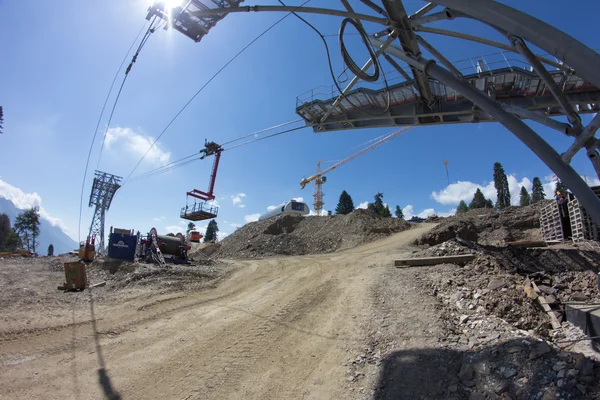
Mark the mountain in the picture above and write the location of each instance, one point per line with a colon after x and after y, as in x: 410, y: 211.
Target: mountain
x: 49, y: 234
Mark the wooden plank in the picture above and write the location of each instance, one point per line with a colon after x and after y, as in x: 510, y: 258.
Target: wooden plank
x: 527, y: 243
x: 99, y: 284
x: 546, y: 307
x: 460, y: 259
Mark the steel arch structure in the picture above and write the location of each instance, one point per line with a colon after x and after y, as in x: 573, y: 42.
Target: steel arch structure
x: 573, y: 91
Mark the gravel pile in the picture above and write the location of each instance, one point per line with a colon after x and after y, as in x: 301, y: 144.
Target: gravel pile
x: 493, y: 283
x: 298, y: 235
x: 488, y: 227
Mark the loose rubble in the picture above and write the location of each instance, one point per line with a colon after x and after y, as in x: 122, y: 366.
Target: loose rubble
x: 488, y: 227
x: 298, y: 235
x: 508, y: 348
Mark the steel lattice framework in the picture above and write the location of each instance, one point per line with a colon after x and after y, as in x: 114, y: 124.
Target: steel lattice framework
x: 103, y: 190
x: 565, y: 83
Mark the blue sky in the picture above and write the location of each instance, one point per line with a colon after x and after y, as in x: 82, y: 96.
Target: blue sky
x: 58, y: 63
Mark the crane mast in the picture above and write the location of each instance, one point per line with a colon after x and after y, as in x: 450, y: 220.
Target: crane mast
x: 319, y: 179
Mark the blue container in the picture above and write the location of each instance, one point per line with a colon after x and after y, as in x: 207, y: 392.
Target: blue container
x: 122, y: 247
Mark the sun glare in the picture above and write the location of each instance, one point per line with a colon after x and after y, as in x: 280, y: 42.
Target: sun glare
x: 169, y: 4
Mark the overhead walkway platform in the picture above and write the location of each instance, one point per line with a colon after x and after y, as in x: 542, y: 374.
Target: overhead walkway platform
x: 509, y: 80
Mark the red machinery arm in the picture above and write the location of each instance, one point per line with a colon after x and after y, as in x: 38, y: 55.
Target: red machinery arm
x: 211, y: 148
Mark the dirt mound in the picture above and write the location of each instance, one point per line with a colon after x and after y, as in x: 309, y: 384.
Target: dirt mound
x: 488, y: 227
x: 125, y: 274
x: 297, y: 235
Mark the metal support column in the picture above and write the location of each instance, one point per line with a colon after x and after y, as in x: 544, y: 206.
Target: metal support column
x: 527, y: 135
x: 586, y: 134
x: 522, y: 48
x: 403, y: 29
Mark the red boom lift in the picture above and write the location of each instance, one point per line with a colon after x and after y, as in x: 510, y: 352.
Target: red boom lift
x: 200, y: 211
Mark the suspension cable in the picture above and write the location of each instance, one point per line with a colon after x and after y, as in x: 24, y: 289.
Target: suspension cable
x: 87, y: 163
x: 335, y: 82
x: 149, y: 31
x: 196, y: 156
x: 206, y: 84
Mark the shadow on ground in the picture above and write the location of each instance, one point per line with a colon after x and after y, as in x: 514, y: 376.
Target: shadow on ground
x: 516, y: 369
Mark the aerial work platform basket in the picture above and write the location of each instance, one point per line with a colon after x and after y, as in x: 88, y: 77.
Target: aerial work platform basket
x: 199, y: 212
x: 204, y: 210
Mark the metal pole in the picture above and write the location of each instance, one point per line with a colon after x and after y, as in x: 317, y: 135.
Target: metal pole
x: 478, y: 39
x: 527, y: 135
x: 423, y: 11
x: 572, y: 115
x: 296, y: 9
x: 439, y: 56
x: 586, y: 134
x: 439, y: 16
x: 355, y: 80
x: 564, y: 47
x: 539, y: 118
x: 374, y: 7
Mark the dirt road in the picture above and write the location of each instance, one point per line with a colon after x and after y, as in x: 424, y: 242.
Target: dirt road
x: 277, y: 328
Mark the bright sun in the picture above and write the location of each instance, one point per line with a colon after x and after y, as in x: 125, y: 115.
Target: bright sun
x: 168, y: 3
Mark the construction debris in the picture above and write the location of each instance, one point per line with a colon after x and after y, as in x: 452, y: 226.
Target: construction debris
x: 297, y: 235
x: 458, y: 259
x: 488, y: 227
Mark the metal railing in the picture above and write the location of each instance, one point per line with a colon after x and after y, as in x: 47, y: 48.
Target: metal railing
x: 483, y: 65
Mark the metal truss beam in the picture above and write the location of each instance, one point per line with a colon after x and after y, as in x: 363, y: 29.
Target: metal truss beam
x: 309, y: 10
x: 528, y: 136
x: 562, y: 46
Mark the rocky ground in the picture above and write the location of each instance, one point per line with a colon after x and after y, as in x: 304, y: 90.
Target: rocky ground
x: 346, y: 324
x: 298, y: 235
x: 487, y: 227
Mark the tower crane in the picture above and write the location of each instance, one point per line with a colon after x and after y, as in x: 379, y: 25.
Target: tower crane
x: 320, y: 179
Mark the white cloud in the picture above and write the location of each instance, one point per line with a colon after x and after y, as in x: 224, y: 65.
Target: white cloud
x: 363, y: 205
x: 136, y: 144
x: 159, y: 219
x: 238, y: 198
x: 464, y: 190
x: 174, y: 229
x: 24, y: 200
x: 235, y: 226
x: 221, y: 235
x: 242, y: 206
x: 312, y: 213
x: 251, y: 217
x: 409, y: 212
x: 271, y: 208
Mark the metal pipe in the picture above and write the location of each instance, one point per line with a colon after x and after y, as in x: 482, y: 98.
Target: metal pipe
x: 439, y: 16
x: 493, y: 43
x: 355, y: 80
x: 522, y: 48
x: 439, y: 56
x: 537, y: 117
x: 523, y: 132
x: 374, y: 7
x: 571, y: 51
x: 594, y: 157
x: 424, y: 10
x: 586, y: 134
x: 398, y: 67
x: 296, y: 9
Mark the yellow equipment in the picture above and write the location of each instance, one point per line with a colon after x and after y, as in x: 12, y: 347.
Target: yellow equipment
x: 320, y: 179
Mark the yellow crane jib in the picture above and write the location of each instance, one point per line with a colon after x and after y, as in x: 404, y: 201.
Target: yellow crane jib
x: 319, y: 179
